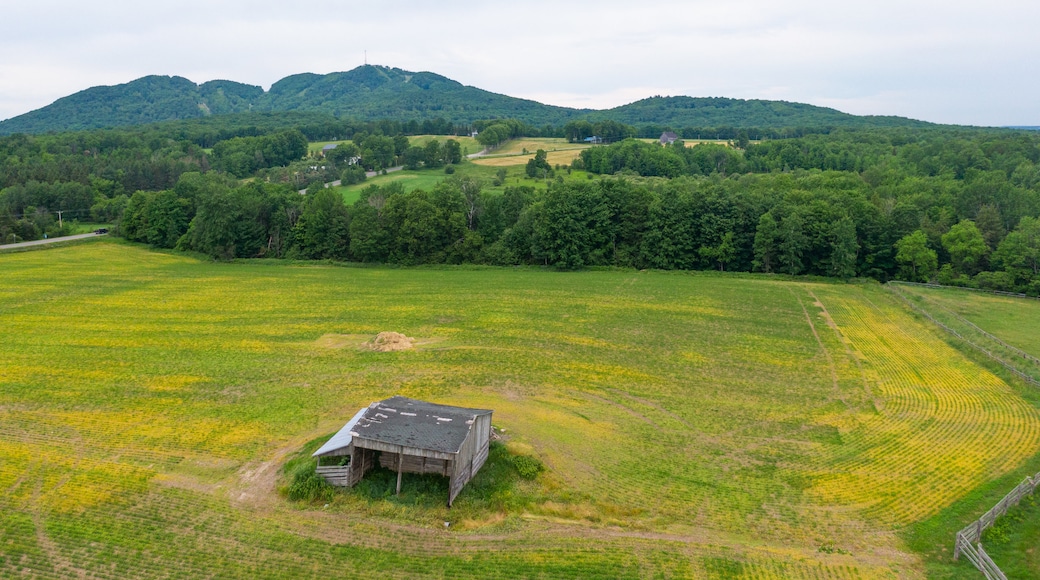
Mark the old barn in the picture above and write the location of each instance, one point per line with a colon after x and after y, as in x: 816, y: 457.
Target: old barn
x: 408, y: 436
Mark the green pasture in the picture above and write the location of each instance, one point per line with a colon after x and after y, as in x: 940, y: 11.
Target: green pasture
x: 692, y: 425
x: 1014, y: 321
x: 469, y: 144
x: 427, y: 179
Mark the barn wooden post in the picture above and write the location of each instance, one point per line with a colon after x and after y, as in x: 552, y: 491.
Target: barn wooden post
x: 400, y: 463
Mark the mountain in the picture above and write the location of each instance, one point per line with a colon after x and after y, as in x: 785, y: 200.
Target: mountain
x: 146, y: 100
x: 722, y: 112
x: 375, y: 92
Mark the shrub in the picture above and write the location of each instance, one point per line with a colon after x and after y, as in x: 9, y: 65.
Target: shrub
x: 528, y: 467
x: 304, y: 482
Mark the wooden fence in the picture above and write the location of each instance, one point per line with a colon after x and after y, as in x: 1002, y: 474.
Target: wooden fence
x: 1029, y: 379
x: 1017, y: 351
x: 969, y: 540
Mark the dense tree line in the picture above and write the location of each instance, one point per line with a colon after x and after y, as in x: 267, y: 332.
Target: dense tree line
x: 243, y: 156
x: 826, y: 223
x: 953, y: 205
x: 608, y: 131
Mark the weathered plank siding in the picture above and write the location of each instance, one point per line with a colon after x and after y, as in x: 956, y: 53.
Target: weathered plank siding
x: 471, y: 456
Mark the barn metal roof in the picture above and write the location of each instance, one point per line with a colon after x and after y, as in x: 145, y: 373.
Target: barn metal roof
x: 342, y: 438
x: 413, y: 423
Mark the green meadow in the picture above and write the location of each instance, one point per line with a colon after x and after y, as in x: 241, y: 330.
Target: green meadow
x: 980, y: 317
x: 153, y: 407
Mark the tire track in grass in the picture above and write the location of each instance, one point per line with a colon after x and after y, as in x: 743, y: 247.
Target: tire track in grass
x: 826, y: 353
x: 49, y: 547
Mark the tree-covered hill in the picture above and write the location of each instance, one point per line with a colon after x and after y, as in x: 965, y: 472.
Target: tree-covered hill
x: 146, y: 100
x: 722, y: 112
x: 375, y: 92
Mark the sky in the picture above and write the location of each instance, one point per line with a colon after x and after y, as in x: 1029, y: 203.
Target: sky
x: 950, y: 61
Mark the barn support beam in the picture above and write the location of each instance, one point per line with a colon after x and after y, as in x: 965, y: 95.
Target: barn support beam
x: 400, y: 464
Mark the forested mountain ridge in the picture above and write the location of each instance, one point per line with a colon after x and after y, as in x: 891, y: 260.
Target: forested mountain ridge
x: 720, y: 112
x: 374, y: 92
x: 146, y: 100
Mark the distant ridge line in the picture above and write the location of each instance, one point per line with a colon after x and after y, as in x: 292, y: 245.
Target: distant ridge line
x: 371, y: 92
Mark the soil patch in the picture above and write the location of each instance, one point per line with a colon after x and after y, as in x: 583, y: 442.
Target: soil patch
x: 390, y: 341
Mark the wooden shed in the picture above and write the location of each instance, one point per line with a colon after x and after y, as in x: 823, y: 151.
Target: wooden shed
x: 408, y: 436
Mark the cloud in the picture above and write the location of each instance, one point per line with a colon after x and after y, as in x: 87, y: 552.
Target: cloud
x: 938, y: 61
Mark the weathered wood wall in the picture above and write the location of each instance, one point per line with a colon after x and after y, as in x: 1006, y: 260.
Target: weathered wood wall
x: 472, y: 455
x: 416, y: 464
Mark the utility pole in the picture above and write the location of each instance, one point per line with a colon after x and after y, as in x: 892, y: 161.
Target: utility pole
x: 59, y: 217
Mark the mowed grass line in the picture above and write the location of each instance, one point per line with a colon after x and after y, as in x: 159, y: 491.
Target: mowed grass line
x: 1013, y: 321
x: 698, y: 425
x: 950, y: 404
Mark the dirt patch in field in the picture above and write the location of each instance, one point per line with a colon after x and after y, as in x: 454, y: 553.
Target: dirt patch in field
x: 341, y: 340
x: 390, y: 341
x: 382, y: 342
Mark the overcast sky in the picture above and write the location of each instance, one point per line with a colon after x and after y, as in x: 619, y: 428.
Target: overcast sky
x: 947, y: 61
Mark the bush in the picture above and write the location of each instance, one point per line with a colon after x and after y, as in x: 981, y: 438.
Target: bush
x: 528, y: 467
x: 305, y: 483
x: 449, y: 169
x: 310, y: 487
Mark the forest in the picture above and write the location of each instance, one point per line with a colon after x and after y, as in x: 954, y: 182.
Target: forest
x: 954, y: 205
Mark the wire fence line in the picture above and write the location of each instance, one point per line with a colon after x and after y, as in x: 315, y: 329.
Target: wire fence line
x: 974, y: 326
x: 916, y: 308
x: 983, y: 290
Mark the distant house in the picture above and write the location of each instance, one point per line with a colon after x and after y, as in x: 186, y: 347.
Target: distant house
x: 667, y: 138
x: 408, y: 436
x: 328, y: 148
x: 594, y: 140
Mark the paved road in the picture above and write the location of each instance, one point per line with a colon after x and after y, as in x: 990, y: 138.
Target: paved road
x: 49, y: 241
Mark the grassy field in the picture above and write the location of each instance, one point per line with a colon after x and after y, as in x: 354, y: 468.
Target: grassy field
x: 693, y: 425
x: 427, y: 179
x: 1013, y: 542
x: 554, y: 158
x: 469, y: 144
x: 1014, y: 320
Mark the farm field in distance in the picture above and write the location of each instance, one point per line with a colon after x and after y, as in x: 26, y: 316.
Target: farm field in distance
x: 692, y: 424
x: 558, y: 152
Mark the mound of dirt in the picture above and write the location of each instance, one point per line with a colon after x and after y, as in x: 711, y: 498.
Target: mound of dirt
x: 390, y: 341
